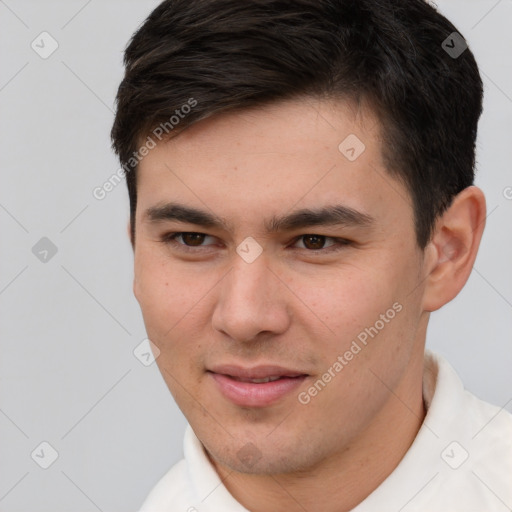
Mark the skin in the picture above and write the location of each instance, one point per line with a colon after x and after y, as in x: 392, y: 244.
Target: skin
x: 295, y: 306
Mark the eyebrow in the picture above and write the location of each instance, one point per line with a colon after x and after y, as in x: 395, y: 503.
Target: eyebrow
x: 333, y: 215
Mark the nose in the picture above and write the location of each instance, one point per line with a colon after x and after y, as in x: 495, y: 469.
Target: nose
x: 251, y: 302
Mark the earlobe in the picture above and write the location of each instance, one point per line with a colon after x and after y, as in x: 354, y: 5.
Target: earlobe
x: 454, y: 247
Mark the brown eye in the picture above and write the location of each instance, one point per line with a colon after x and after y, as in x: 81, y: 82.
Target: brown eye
x: 321, y: 244
x: 193, y: 239
x: 314, y: 242
x: 189, y: 241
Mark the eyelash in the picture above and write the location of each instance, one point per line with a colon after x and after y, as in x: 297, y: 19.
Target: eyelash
x: 339, y: 243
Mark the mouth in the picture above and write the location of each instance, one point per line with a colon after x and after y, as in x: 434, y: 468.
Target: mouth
x: 256, y: 387
x: 257, y: 381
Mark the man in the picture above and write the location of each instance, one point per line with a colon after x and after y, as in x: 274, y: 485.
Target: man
x: 301, y: 187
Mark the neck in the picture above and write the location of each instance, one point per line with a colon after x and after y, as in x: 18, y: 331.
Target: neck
x: 347, y: 477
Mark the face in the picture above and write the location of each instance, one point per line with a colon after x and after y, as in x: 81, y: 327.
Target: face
x: 278, y: 274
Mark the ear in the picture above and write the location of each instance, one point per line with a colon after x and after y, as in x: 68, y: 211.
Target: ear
x: 452, y: 251
x: 130, y: 236
x: 129, y: 231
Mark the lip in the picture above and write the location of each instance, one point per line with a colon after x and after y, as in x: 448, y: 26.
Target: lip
x: 249, y: 394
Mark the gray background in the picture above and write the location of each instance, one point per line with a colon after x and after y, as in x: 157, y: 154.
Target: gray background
x: 69, y: 325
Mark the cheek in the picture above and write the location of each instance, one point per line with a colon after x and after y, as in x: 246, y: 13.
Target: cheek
x: 345, y: 300
x: 170, y: 301
x: 162, y: 295
x: 174, y: 300
x: 164, y: 289
x: 360, y: 309
x: 157, y: 290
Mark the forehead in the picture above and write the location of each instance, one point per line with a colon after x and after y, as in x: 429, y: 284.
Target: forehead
x: 300, y: 153
x: 294, y: 126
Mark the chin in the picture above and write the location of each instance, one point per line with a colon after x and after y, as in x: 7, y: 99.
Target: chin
x: 262, y: 455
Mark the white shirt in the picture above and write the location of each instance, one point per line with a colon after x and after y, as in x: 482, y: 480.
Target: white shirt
x: 460, y: 460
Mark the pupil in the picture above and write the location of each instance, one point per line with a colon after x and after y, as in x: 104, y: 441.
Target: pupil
x: 314, y: 241
x: 193, y: 238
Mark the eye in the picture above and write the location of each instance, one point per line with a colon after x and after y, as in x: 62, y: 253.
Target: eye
x: 313, y: 242
x: 188, y: 239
